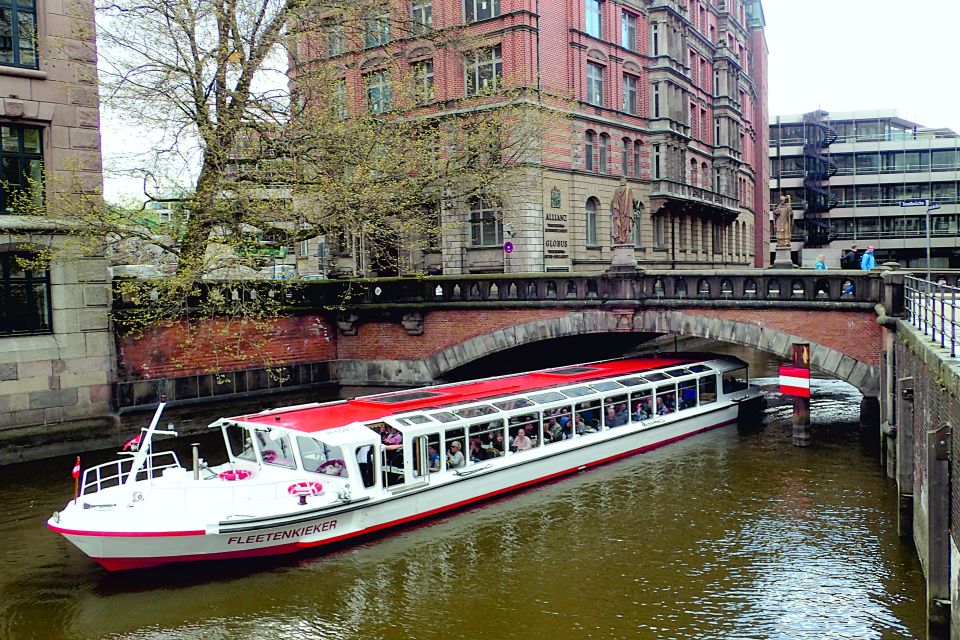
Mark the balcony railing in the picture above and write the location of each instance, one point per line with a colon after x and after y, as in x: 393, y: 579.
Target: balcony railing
x: 670, y: 188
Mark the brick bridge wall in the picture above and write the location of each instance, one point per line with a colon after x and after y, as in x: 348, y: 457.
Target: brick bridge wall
x: 846, y: 344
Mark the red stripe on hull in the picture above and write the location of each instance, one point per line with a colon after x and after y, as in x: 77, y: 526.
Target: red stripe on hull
x: 120, y: 564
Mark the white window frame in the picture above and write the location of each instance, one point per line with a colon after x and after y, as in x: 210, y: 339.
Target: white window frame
x: 595, y: 84
x: 475, y: 62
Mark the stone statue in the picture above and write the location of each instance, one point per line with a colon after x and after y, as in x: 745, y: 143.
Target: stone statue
x: 621, y: 208
x: 783, y: 221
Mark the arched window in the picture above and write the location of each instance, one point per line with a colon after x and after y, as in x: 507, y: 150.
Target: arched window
x: 636, y: 158
x: 704, y: 177
x: 24, y: 296
x: 604, y: 152
x: 589, y: 142
x: 693, y: 173
x: 592, y: 206
x: 625, y: 159
x: 637, y: 221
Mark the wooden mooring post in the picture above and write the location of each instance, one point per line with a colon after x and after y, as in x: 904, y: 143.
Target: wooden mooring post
x: 802, y: 435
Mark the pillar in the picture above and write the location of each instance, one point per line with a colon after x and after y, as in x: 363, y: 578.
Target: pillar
x: 938, y: 532
x: 904, y: 457
x: 802, y: 435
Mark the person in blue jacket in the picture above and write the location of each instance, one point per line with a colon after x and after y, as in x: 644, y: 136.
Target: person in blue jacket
x: 868, y: 262
x: 820, y: 265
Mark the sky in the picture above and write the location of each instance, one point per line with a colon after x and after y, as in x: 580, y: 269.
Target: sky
x: 851, y: 55
x: 835, y: 55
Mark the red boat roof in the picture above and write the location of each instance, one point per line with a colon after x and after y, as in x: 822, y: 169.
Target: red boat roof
x: 368, y: 408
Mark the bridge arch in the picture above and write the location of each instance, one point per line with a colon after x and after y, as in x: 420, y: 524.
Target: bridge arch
x: 863, y: 375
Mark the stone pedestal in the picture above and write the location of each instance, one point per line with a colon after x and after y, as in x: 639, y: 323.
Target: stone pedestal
x: 782, y: 259
x: 624, y: 260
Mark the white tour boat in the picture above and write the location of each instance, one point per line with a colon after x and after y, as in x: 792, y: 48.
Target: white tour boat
x: 315, y: 474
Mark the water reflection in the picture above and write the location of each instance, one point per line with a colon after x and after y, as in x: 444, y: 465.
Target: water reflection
x: 732, y: 534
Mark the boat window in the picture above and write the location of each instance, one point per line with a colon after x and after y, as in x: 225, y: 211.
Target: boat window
x: 456, y: 456
x: 515, y: 403
x: 275, y: 448
x: 391, y: 452
x: 666, y: 399
x: 677, y: 373
x: 655, y: 376
x: 708, y: 389
x: 577, y: 392
x: 473, y: 412
x: 557, y: 425
x: 588, y: 416
x: 735, y: 380
x: 240, y: 442
x: 687, y: 394
x: 421, y: 456
x: 414, y: 419
x: 633, y: 382
x: 317, y: 457
x: 641, y: 404
x: 482, y: 435
x: 444, y: 416
x: 608, y: 385
x: 529, y: 423
x: 615, y: 412
x: 570, y: 371
x: 550, y: 396
x: 699, y: 368
x: 403, y: 397
x: 365, y: 461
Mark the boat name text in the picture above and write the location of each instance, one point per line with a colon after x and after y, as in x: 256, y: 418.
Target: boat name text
x: 284, y: 535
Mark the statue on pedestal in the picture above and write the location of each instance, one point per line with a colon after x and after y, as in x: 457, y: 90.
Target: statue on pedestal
x: 783, y: 221
x: 621, y: 209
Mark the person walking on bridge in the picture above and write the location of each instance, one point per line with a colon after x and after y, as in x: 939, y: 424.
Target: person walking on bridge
x: 868, y: 262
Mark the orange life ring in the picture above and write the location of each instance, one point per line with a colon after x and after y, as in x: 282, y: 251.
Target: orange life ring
x: 305, y: 488
x: 235, y: 474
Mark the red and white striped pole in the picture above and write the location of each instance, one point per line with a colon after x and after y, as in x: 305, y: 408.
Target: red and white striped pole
x: 795, y: 382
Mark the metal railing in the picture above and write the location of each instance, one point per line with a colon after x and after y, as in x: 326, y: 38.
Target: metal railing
x: 932, y: 308
x: 115, y: 472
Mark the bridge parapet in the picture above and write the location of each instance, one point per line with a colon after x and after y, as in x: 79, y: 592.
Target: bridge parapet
x: 656, y: 288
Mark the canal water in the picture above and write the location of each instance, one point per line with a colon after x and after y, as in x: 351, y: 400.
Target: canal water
x: 732, y: 534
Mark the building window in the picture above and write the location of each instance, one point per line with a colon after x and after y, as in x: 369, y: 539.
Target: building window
x: 630, y: 94
x: 18, y: 33
x: 423, y: 81
x: 335, y: 46
x: 659, y: 232
x: 593, y: 18
x: 592, y: 204
x: 636, y: 157
x: 474, y: 10
x: 590, y: 141
x: 339, y: 99
x: 656, y: 162
x: 655, y: 39
x: 625, y: 158
x: 656, y: 99
x: 377, y: 30
x: 421, y: 13
x: 595, y: 84
x: 486, y: 227
x: 604, y: 152
x: 21, y: 156
x: 24, y: 296
x: 628, y: 31
x: 379, y: 93
x: 484, y: 70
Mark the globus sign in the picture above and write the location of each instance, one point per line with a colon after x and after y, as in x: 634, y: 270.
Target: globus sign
x: 508, y: 247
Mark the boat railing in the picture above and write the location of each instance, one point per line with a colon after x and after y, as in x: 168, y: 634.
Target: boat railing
x: 116, y: 472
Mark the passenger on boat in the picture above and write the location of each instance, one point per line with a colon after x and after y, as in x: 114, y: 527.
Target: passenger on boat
x: 521, y: 442
x: 475, y: 451
x: 582, y: 427
x: 455, y: 458
x: 662, y: 408
x: 611, y: 416
x: 621, y: 417
x: 434, y: 458
x: 552, y: 431
x: 640, y: 412
x: 499, y: 446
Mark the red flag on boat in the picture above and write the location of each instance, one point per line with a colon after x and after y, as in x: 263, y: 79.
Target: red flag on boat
x: 76, y: 468
x: 795, y: 381
x: 134, y: 443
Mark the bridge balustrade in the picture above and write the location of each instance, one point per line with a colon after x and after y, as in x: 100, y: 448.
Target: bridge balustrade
x: 931, y: 306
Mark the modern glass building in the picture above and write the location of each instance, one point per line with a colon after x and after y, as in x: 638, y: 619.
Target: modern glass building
x: 851, y: 176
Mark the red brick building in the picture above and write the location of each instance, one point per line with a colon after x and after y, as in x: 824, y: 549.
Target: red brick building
x: 670, y: 94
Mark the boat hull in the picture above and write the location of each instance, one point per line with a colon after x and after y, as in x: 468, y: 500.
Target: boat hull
x: 296, y: 531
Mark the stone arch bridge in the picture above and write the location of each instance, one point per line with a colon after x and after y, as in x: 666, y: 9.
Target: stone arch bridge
x: 404, y: 331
